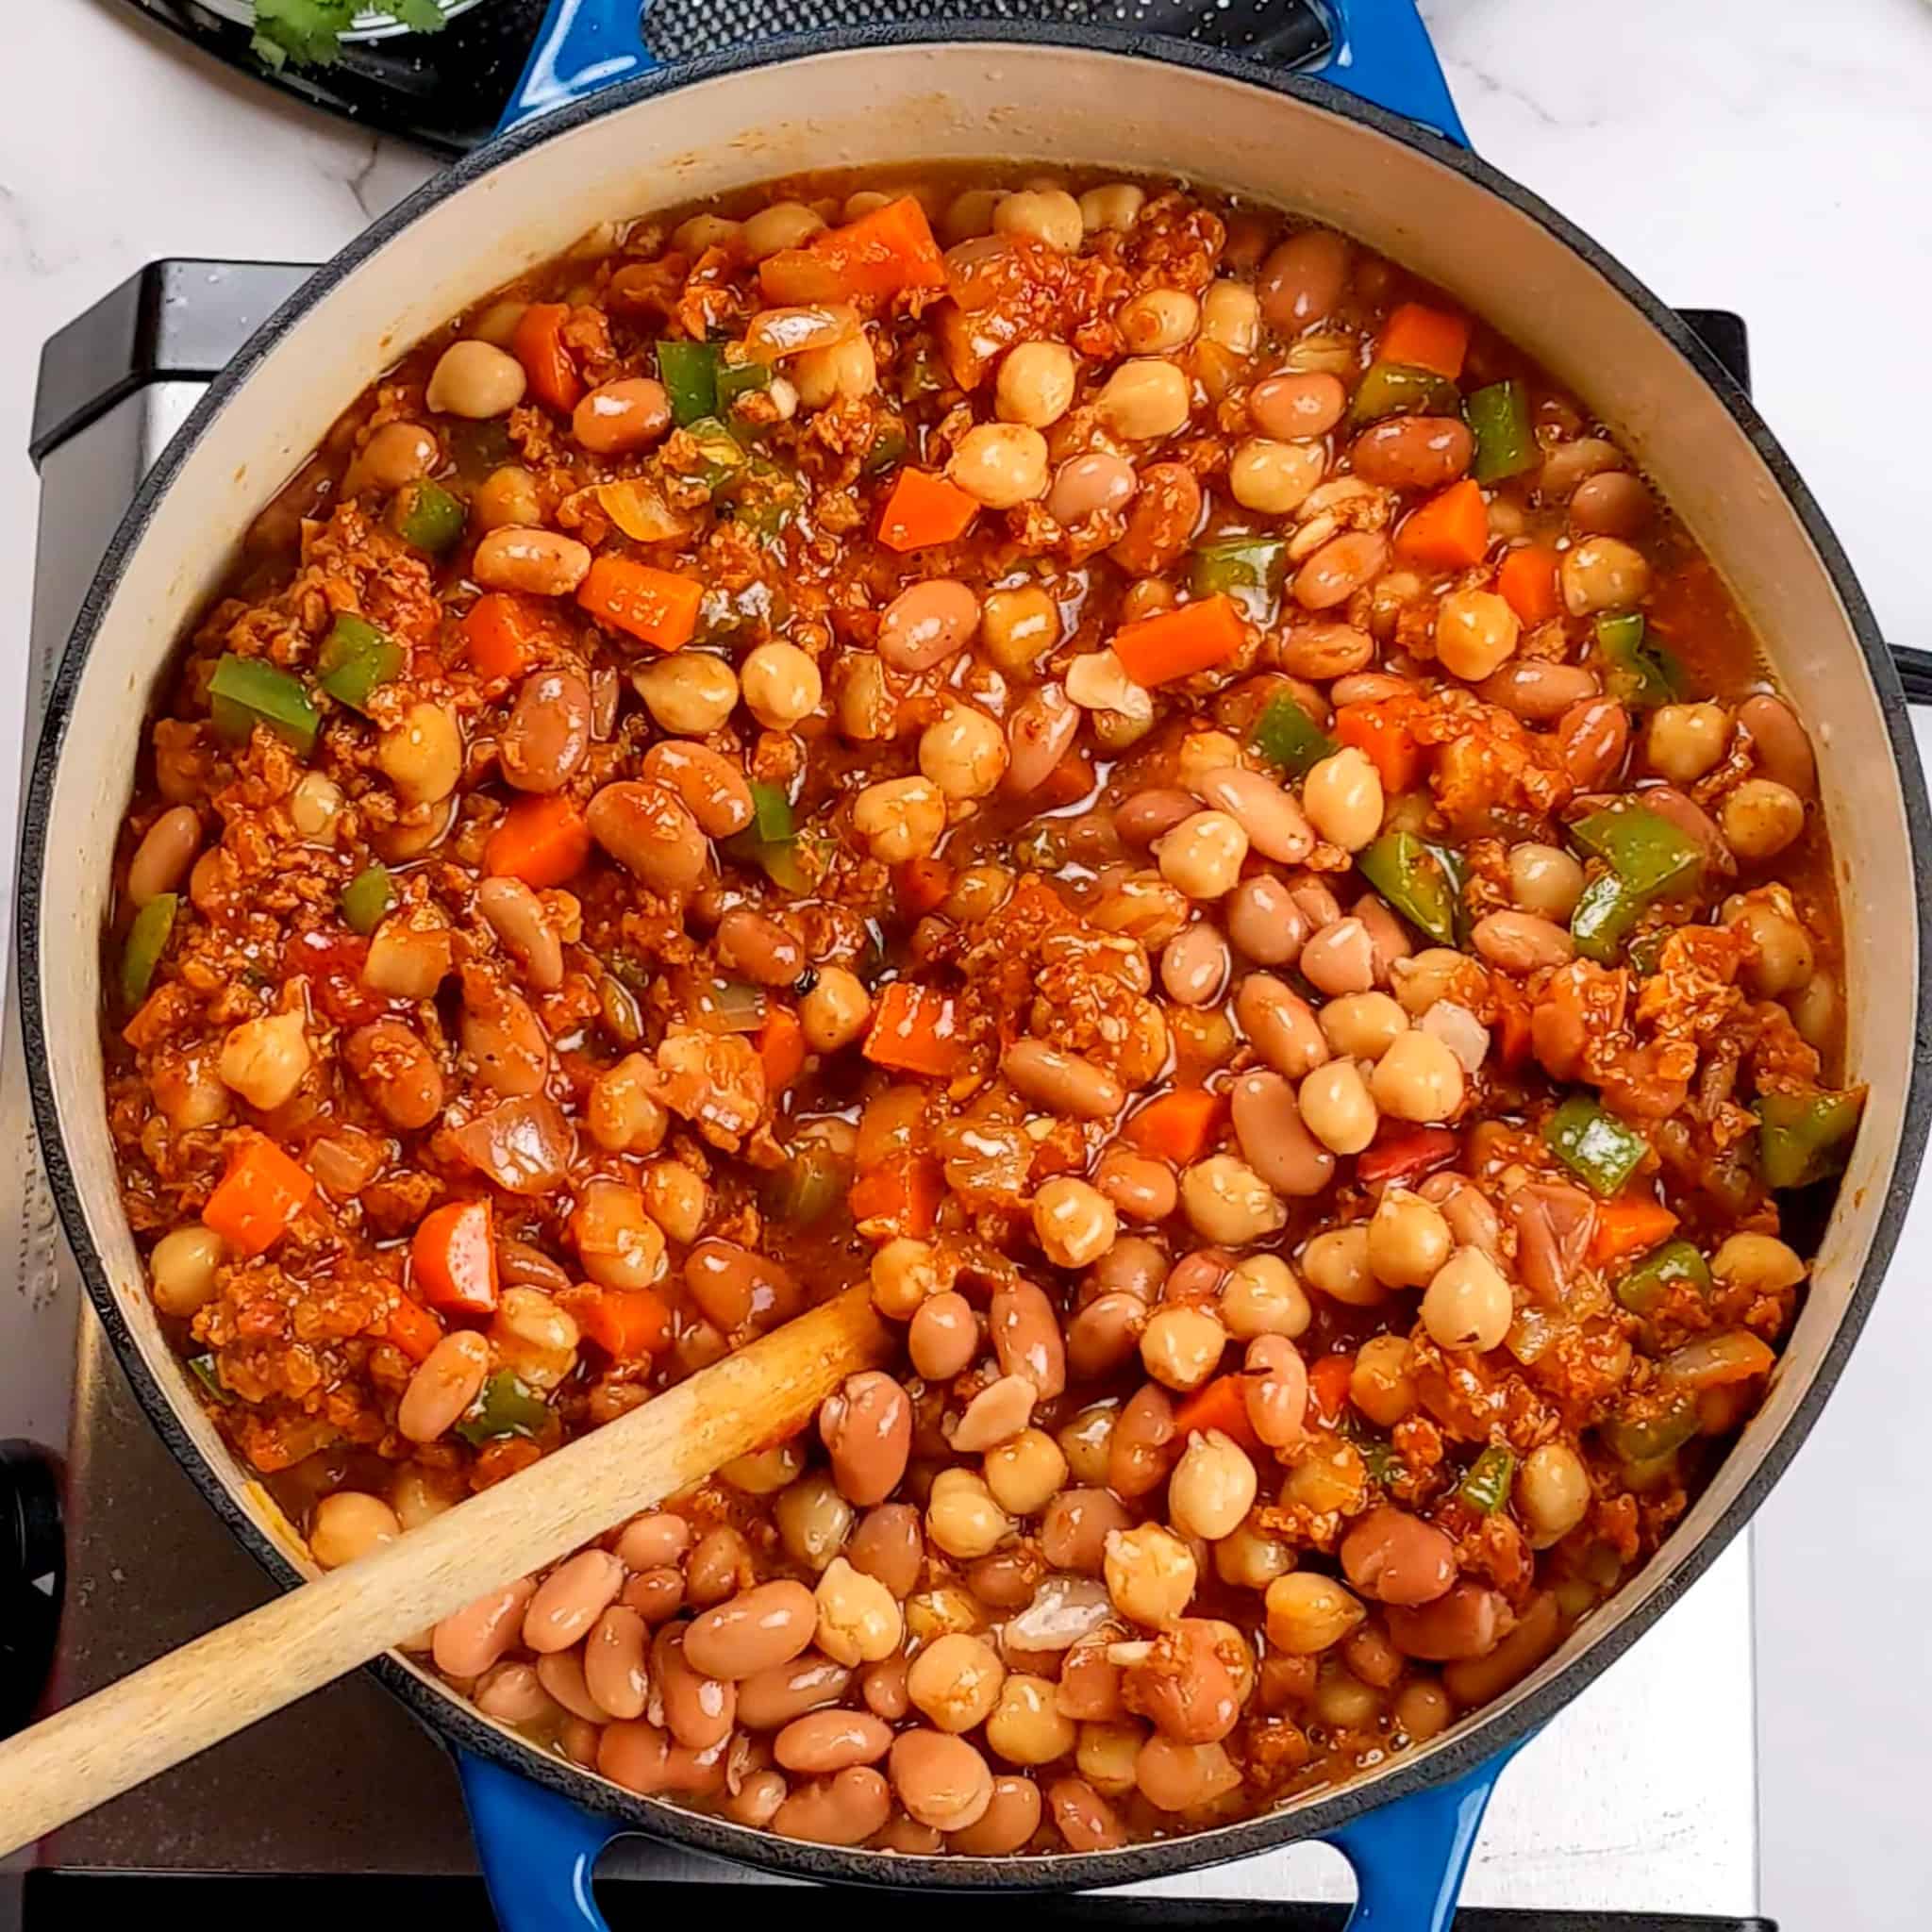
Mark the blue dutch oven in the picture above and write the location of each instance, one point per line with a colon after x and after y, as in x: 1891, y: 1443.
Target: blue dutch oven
x: 1368, y: 141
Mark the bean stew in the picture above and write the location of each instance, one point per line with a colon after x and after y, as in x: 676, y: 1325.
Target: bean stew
x: 1107, y: 761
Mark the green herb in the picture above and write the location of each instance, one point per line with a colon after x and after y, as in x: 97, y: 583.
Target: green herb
x: 309, y: 31
x: 426, y: 515
x: 1660, y: 1270
x: 688, y: 372
x: 1392, y: 389
x: 1411, y: 878
x: 1636, y: 670
x: 355, y: 657
x: 506, y: 1408
x: 1486, y: 1488
x: 1599, y: 1149
x: 1251, y: 570
x: 367, y: 897
x: 1804, y: 1136
x: 147, y: 940
x: 1287, y: 734
x: 247, y: 691
x: 202, y: 1367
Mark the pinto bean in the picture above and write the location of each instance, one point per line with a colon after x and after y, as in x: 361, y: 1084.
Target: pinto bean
x: 699, y: 1710
x: 1339, y: 568
x: 548, y: 732
x: 739, y: 1287
x: 1086, y: 484
x: 712, y: 787
x: 503, y: 1037
x: 1784, y: 750
x: 824, y: 1742
x: 1292, y: 405
x: 1593, y: 738
x: 1610, y: 503
x: 1264, y: 921
x: 1300, y: 283
x: 1105, y: 1336
x: 161, y: 860
x: 650, y: 833
x: 1150, y: 815
x: 1268, y: 1126
x: 1322, y: 652
x: 770, y: 1623
x: 1463, y: 1621
x: 1027, y: 1337
x: 515, y: 914
x: 398, y: 1071
x: 944, y: 1336
x: 1062, y: 1082
x: 1413, y: 452
x: 1398, y: 1558
x: 748, y: 942
x: 941, y: 1780
x: 1537, y: 690
x: 1039, y: 732
x: 445, y: 1383
x: 541, y: 563
x: 1281, y: 1024
x: 469, y: 1640
x: 1521, y: 942
x: 867, y: 1430
x: 844, y: 1809
x: 1270, y: 816
x: 571, y: 1599
x: 1275, y: 1390
x: 616, y: 1673
x: 620, y: 418
x: 926, y: 623
x: 1161, y: 524
x: 781, y: 1693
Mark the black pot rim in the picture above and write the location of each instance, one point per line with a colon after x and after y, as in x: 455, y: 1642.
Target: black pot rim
x: 1312, y: 1817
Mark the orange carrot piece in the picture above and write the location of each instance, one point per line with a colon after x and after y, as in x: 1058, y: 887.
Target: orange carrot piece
x: 656, y: 606
x: 1450, y: 532
x: 496, y: 635
x: 919, y: 886
x: 1419, y: 336
x: 1379, y: 731
x: 260, y: 1194
x: 878, y: 255
x: 1629, y: 1227
x: 412, y: 1328
x: 1222, y: 1404
x: 538, y: 345
x: 452, y: 1259
x: 626, y: 1322
x: 925, y: 509
x: 1527, y: 581
x: 915, y: 1030
x: 542, y: 840
x: 781, y: 1048
x: 1178, y: 1126
x: 901, y: 1196
x: 1176, y: 643
x: 1328, y: 1381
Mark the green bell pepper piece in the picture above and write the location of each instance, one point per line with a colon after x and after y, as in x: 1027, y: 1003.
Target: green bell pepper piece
x: 355, y: 657
x: 202, y: 1367
x: 1643, y: 1288
x: 770, y: 840
x: 1394, y: 389
x: 722, y: 457
x: 367, y: 898
x: 506, y: 1408
x: 1637, y: 670
x: 147, y: 940
x: 1287, y: 734
x: 426, y: 515
x: 771, y: 812
x: 806, y: 1190
x: 1604, y: 912
x: 1803, y: 1137
x: 1409, y: 875
x: 1486, y: 1487
x: 688, y: 372
x: 888, y: 447
x: 1599, y: 1149
x: 476, y: 448
x: 734, y: 380
x: 247, y: 691
x: 1505, y: 443
x: 1649, y: 859
x: 1648, y: 1438
x: 1251, y: 570
x: 764, y: 497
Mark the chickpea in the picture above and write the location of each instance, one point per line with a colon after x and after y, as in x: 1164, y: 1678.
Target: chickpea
x: 859, y: 1620
x: 675, y: 1197
x: 1760, y: 817
x: 475, y: 380
x: 1342, y: 798
x: 955, y: 1681
x: 1150, y: 1574
x: 1249, y: 1558
x: 1784, y: 960
x: 703, y: 232
x: 422, y: 755
x: 1144, y: 398
x: 1203, y: 856
x: 1227, y: 1201
x: 1046, y: 214
x: 617, y: 1242
x: 1758, y: 1261
x: 689, y: 694
x: 1106, y: 1754
x: 1073, y: 1222
x: 905, y: 1273
x: 1476, y: 634
x: 1408, y: 1239
x: 1157, y: 320
x: 835, y: 1012
x: 1337, y: 1264
x: 349, y: 1525
x: 781, y: 225
x: 183, y: 1268
x: 963, y: 752
x: 1545, y: 879
x: 1231, y: 317
x: 1422, y: 1710
x: 1418, y: 1080
x: 1212, y: 1488
x: 814, y: 1521
x: 396, y: 453
x: 1000, y: 464
x: 1261, y: 1296
x: 1035, y: 385
x: 535, y: 1336
x: 1362, y: 1026
x: 961, y: 1517
x: 1553, y: 1492
x: 314, y: 806
x: 1308, y: 1613
x: 1684, y: 741
x: 506, y: 499
x: 1337, y: 1107
x: 970, y: 215
x: 1380, y: 1384
x: 1601, y: 574
x: 1467, y: 1304
x: 781, y: 685
x: 1025, y: 1474
x: 1025, y: 1725
x: 1086, y: 1443
x: 900, y: 818
x: 265, y: 1061
x: 1182, y: 1345
x: 1018, y: 627
x: 1113, y: 209
x: 1814, y: 1011
x: 846, y: 370
x: 1274, y: 478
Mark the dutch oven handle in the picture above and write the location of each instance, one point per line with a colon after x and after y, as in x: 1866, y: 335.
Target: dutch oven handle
x: 537, y: 1848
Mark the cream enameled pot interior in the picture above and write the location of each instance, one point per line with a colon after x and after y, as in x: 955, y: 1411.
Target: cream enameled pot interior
x: 1000, y: 101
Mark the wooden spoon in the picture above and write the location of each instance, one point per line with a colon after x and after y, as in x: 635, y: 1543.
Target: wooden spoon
x: 220, y: 1683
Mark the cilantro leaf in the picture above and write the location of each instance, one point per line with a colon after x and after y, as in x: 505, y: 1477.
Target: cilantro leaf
x: 424, y: 16
x: 309, y: 31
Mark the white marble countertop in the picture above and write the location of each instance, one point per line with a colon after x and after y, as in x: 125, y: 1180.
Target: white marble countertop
x: 1767, y: 156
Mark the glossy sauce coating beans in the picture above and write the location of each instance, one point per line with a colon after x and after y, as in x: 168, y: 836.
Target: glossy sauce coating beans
x: 1041, y: 750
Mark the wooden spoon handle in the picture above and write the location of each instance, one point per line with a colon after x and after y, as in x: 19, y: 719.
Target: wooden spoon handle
x: 220, y: 1683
